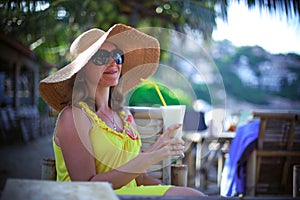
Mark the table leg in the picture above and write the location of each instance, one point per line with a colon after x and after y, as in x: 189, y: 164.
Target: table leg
x: 198, y: 164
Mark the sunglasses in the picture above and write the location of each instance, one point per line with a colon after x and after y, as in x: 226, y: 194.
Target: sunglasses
x: 102, y: 57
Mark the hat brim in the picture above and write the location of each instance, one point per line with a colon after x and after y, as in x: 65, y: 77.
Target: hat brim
x: 141, y: 54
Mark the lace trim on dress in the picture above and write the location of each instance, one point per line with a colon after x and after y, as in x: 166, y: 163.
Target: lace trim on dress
x: 127, y: 122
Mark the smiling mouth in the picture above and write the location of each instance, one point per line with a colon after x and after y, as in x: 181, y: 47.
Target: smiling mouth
x: 112, y: 71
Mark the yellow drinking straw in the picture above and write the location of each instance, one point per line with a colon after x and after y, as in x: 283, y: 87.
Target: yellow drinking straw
x: 157, y: 90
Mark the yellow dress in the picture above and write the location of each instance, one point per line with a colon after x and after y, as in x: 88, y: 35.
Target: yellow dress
x: 111, y: 150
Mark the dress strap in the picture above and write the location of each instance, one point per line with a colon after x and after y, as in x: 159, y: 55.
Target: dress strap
x: 125, y: 116
x: 91, y: 115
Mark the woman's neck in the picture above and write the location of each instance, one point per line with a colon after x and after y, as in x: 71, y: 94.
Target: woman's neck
x: 101, y: 98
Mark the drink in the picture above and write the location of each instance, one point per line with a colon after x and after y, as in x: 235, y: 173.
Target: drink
x: 173, y: 114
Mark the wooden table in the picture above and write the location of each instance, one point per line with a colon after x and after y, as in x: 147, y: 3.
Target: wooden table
x: 200, y: 141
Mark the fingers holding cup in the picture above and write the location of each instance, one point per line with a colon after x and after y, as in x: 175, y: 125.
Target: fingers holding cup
x: 173, y: 114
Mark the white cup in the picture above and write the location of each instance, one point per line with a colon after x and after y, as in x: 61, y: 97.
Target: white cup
x: 173, y: 114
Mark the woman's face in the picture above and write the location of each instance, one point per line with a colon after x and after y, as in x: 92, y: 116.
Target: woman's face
x: 100, y: 73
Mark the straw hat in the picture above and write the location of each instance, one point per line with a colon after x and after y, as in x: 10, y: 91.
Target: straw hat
x: 141, y: 57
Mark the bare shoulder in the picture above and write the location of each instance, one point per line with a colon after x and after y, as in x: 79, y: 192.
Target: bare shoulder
x: 72, y: 120
x: 69, y: 114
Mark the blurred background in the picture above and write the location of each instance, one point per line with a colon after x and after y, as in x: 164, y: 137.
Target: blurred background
x: 237, y: 55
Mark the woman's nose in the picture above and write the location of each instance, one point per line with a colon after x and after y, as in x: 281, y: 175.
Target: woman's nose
x: 112, y: 61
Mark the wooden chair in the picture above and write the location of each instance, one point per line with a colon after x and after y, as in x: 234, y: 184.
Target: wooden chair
x: 270, y: 167
x: 150, y: 126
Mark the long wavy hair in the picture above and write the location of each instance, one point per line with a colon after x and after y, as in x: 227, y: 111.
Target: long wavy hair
x: 81, y: 93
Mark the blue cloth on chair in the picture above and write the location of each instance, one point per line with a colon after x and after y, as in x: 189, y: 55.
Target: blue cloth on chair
x: 232, y: 182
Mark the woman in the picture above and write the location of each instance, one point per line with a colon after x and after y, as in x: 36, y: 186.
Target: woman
x: 95, y: 138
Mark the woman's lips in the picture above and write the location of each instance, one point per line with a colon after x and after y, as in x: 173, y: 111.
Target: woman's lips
x: 111, y: 71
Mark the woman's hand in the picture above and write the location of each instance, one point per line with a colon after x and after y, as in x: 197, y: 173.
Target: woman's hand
x: 166, y: 145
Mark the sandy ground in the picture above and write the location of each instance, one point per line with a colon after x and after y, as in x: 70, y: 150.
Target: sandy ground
x: 21, y: 160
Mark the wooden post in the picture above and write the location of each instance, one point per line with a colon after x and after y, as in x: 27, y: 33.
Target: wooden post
x: 251, y: 171
x: 179, y: 175
x: 221, y: 160
x: 166, y: 170
x: 17, y: 69
x: 296, y: 181
x: 48, y: 171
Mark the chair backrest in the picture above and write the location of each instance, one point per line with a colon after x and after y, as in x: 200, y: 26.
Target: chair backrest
x: 278, y: 149
x: 150, y: 126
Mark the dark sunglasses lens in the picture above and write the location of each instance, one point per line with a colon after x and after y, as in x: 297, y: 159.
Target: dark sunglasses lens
x: 101, y: 57
x: 118, y: 56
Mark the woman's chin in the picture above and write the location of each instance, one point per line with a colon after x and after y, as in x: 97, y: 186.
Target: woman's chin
x: 109, y: 83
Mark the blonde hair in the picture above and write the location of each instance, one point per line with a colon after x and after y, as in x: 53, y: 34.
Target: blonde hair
x: 81, y: 93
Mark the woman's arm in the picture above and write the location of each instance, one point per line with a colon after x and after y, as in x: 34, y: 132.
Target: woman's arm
x: 145, y: 179
x: 72, y: 133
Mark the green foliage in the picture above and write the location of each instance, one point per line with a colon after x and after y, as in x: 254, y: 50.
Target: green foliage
x: 291, y: 84
x: 57, y: 23
x: 281, y: 71
x: 49, y: 27
x: 234, y: 86
x: 254, y: 56
x: 202, y: 92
